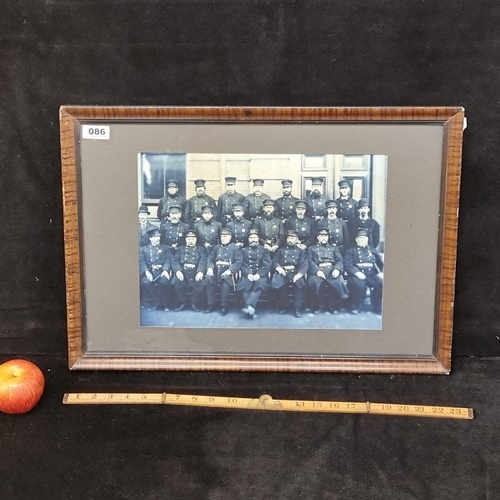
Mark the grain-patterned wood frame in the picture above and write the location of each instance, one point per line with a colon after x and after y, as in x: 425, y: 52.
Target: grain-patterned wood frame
x: 452, y: 121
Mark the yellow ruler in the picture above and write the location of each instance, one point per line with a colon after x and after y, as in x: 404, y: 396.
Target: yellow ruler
x: 266, y: 402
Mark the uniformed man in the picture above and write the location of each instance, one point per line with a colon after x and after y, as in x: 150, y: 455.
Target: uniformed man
x: 239, y: 226
x: 172, y: 198
x: 223, y: 262
x: 325, y: 274
x: 337, y: 228
x: 270, y: 228
x: 172, y: 230
x: 227, y: 200
x: 290, y: 266
x: 195, y: 204
x: 154, y: 269
x: 144, y: 226
x: 316, y: 200
x: 189, y: 264
x: 346, y: 205
x: 364, y: 221
x: 364, y: 267
x: 207, y: 230
x: 254, y: 273
x: 255, y: 200
x: 285, y: 206
x: 299, y: 222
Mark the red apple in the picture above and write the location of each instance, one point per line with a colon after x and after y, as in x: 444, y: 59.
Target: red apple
x: 21, y: 386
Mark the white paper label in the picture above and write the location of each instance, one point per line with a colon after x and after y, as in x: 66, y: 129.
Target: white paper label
x: 95, y: 132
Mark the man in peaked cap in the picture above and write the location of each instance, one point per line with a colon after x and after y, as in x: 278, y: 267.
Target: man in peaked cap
x: 207, y: 230
x: 299, y: 222
x: 346, y: 204
x: 172, y: 198
x: 227, y: 200
x: 195, y: 204
x: 364, y: 221
x: 364, y: 266
x: 144, y: 226
x: 254, y: 273
x: 337, y: 228
x: 239, y: 226
x: 270, y: 228
x: 254, y: 201
x: 285, y: 206
x: 316, y: 200
x: 172, y: 230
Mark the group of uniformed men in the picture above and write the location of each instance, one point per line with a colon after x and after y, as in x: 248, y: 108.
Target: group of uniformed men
x: 316, y: 250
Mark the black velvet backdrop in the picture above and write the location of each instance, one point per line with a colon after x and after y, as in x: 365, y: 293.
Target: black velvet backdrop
x: 197, y: 52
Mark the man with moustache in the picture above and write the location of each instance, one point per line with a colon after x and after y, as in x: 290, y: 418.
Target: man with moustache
x: 207, y: 230
x: 269, y: 227
x: 254, y: 201
x: 172, y: 198
x: 195, y: 204
x: 227, y: 200
x: 315, y: 200
x: 254, y: 273
x: 337, y: 228
x: 299, y: 222
x: 285, y: 206
x: 364, y: 221
x: 239, y: 226
x: 346, y: 204
x: 144, y: 226
x: 172, y: 230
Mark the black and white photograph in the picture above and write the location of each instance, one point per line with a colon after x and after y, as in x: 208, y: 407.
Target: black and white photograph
x: 261, y: 240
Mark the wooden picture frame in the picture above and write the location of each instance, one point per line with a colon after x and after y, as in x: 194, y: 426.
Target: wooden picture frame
x: 423, y: 148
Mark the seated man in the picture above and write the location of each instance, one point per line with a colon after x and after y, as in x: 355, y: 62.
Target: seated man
x: 326, y: 267
x: 254, y: 270
x: 364, y: 266
x: 239, y: 226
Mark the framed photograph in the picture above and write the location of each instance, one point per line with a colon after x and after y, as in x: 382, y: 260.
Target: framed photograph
x: 276, y: 239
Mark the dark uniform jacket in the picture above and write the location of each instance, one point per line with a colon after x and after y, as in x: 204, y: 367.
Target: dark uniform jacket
x: 293, y: 260
x: 166, y: 202
x: 172, y: 235
x: 371, y: 226
x: 324, y: 258
x: 222, y: 258
x: 270, y: 230
x: 347, y: 208
x: 191, y: 261
x: 315, y: 205
x: 143, y: 233
x: 154, y: 259
x: 192, y: 212
x: 240, y: 230
x: 306, y: 228
x: 256, y: 260
x: 339, y: 233
x: 285, y: 207
x: 225, y: 205
x: 208, y: 233
x: 253, y: 205
x: 364, y: 259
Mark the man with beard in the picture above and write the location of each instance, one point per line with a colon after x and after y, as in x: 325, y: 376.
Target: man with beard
x: 315, y: 200
x: 254, y: 273
x: 172, y: 230
x: 270, y: 228
x: 194, y: 206
x: 290, y: 265
x: 364, y: 221
x: 325, y: 280
x: 207, y: 230
x: 337, y: 228
x: 144, y: 226
x: 227, y: 200
x: 239, y: 226
x: 364, y: 266
x: 255, y: 201
x: 285, y: 206
x: 346, y: 205
x: 302, y: 224
x: 172, y: 198
x: 189, y: 264
x: 222, y: 264
x: 154, y: 269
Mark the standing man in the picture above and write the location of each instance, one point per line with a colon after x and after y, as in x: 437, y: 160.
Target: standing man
x: 172, y: 230
x: 364, y: 221
x: 346, y: 205
x: 227, y: 200
x: 326, y: 267
x: 207, y: 230
x: 315, y: 200
x: 269, y: 227
x: 254, y: 273
x: 364, y: 266
x: 172, y: 198
x: 222, y: 265
x: 239, y: 226
x: 285, y: 206
x: 144, y: 226
x: 195, y: 204
x: 290, y: 265
x: 337, y: 228
x: 189, y: 264
x: 299, y: 222
x: 154, y: 269
x: 255, y: 201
